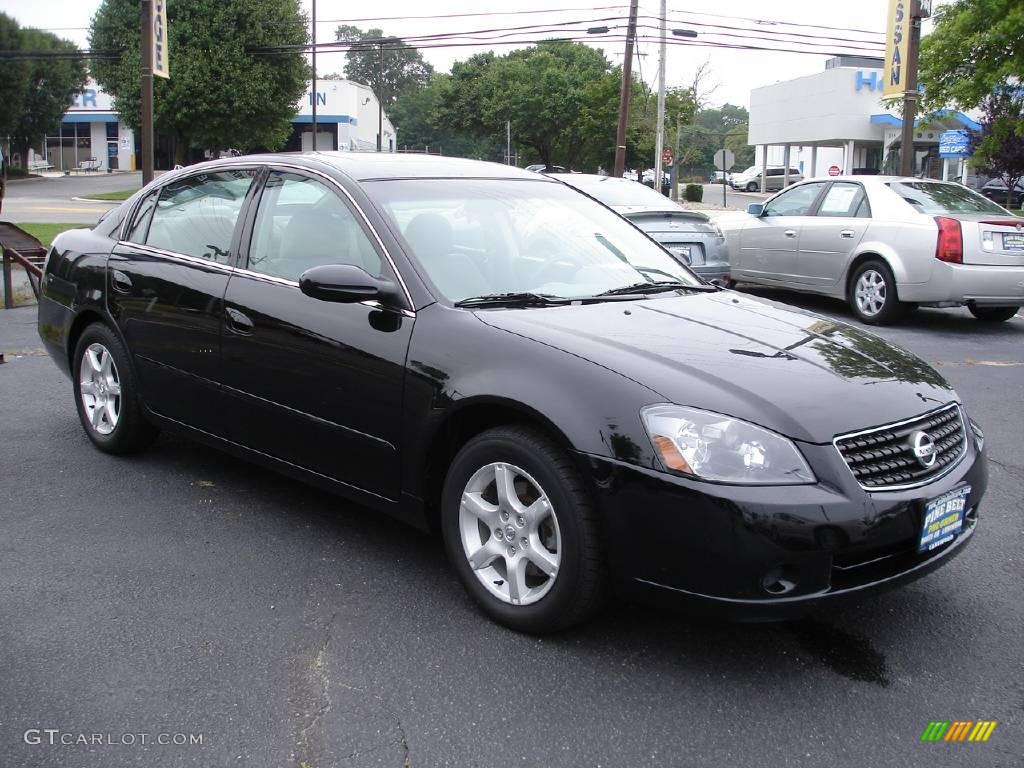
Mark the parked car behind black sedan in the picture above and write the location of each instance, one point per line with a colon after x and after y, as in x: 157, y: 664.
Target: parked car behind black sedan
x: 997, y: 191
x: 690, y: 236
x: 487, y: 351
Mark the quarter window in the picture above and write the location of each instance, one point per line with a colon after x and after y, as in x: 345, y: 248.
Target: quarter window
x: 196, y: 216
x: 302, y: 223
x: 797, y: 201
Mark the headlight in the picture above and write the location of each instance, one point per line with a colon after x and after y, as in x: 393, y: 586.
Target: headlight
x: 711, y: 446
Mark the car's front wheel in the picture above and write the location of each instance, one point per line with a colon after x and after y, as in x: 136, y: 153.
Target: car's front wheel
x: 993, y: 314
x: 873, y: 294
x: 106, y: 393
x: 521, y: 531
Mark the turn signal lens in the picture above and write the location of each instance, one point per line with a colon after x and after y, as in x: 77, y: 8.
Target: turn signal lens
x: 670, y: 455
x: 949, y: 246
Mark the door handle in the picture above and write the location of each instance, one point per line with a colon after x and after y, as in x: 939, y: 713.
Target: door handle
x: 846, y: 233
x: 239, y: 322
x: 790, y: 233
x: 121, y: 282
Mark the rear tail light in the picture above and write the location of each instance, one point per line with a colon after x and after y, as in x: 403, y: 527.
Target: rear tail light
x: 950, y: 243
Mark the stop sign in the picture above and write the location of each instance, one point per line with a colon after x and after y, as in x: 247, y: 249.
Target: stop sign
x: 834, y: 170
x: 666, y: 156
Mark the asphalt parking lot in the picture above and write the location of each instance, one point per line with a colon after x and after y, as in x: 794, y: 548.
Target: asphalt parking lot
x: 186, y: 592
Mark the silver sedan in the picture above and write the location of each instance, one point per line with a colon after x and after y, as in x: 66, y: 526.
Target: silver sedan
x: 884, y: 244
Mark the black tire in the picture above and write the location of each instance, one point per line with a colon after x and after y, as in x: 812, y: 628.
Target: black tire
x: 993, y: 314
x: 579, y: 586
x: 131, y: 432
x: 890, y: 307
x: 751, y: 187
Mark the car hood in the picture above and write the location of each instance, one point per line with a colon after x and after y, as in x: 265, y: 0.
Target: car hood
x: 795, y: 372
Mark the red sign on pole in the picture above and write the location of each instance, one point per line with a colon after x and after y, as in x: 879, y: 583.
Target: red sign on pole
x: 834, y: 170
x: 666, y: 156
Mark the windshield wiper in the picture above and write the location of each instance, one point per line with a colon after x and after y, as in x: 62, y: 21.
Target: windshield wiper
x: 658, y: 287
x: 521, y: 299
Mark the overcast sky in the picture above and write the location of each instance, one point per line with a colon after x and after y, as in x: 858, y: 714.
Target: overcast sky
x: 735, y: 71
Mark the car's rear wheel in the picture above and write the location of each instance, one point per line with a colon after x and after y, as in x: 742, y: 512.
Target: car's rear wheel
x: 106, y: 393
x: 872, y: 294
x: 751, y: 187
x: 521, y: 531
x: 993, y: 314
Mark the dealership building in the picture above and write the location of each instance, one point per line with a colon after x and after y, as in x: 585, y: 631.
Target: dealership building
x: 93, y: 137
x: 835, y: 122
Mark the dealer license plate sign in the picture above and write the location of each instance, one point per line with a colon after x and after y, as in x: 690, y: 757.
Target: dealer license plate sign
x: 682, y: 253
x: 1013, y: 242
x: 943, y: 519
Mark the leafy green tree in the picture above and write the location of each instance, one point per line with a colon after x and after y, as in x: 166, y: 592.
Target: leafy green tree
x: 402, y: 69
x: 998, y: 149
x: 47, y: 89
x: 221, y: 93
x: 976, y: 46
x: 560, y: 99
x: 12, y: 78
x: 417, y: 115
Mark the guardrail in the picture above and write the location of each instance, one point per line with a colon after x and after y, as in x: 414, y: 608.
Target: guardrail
x: 20, y: 248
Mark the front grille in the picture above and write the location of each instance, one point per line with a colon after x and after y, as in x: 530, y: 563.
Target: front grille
x: 884, y: 458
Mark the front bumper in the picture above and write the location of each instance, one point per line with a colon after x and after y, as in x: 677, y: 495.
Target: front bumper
x: 759, y: 553
x: 968, y: 283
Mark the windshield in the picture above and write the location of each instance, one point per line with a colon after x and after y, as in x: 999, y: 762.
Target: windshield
x: 936, y: 199
x: 480, y: 237
x: 612, y: 191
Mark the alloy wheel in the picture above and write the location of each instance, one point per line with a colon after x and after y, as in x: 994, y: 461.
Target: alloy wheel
x: 869, y: 292
x: 100, y: 388
x: 509, y: 533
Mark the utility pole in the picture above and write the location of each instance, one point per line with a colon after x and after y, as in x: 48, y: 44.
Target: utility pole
x: 627, y: 83
x: 380, y: 97
x: 147, y: 92
x: 659, y: 142
x: 313, y: 91
x: 508, y: 142
x: 907, y: 155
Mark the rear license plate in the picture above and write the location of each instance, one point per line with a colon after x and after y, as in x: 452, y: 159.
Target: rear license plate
x: 1013, y: 242
x: 682, y: 253
x: 943, y: 518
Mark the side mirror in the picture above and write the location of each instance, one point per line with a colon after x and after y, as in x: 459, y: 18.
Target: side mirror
x: 755, y: 209
x: 344, y: 284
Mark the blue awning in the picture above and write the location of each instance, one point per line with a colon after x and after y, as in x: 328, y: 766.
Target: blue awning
x: 947, y: 114
x: 90, y: 117
x: 325, y: 119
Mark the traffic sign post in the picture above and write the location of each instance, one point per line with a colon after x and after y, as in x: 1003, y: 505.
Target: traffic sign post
x: 724, y: 160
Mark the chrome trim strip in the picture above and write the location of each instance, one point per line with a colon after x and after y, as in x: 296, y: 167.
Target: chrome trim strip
x: 930, y: 479
x: 178, y: 256
x: 374, y: 303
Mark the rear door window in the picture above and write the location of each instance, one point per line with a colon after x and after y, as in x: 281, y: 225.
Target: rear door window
x: 844, y: 199
x: 196, y: 215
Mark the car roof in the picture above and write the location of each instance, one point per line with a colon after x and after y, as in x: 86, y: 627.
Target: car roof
x: 387, y: 165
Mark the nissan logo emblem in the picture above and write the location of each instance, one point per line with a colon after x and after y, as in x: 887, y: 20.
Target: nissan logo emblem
x: 924, y: 448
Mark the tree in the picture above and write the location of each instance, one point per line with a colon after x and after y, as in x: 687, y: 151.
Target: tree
x: 403, y: 66
x: 44, y: 89
x: 417, y: 115
x: 998, y: 149
x: 12, y: 82
x: 559, y: 98
x: 976, y: 46
x: 221, y: 92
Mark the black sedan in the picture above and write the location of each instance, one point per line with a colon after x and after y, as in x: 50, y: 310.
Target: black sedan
x: 487, y: 352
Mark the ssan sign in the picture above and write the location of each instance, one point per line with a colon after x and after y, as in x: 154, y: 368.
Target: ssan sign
x: 897, y: 41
